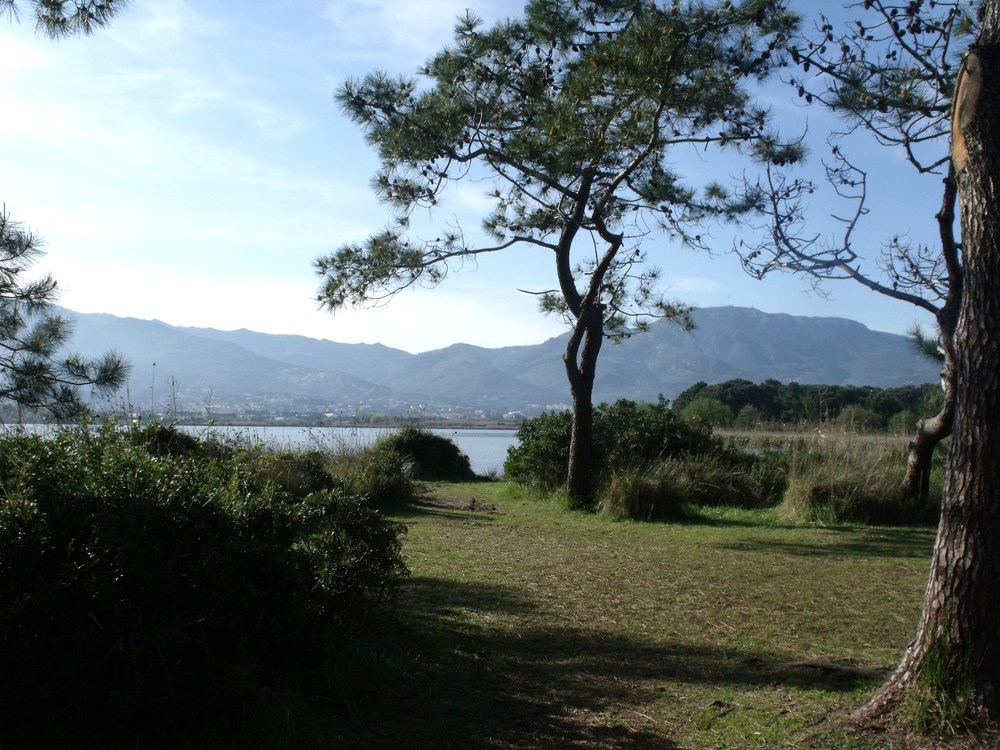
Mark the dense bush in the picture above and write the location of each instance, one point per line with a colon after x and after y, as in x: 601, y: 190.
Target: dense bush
x: 670, y: 488
x: 541, y: 453
x: 708, y: 411
x: 859, y: 419
x: 383, y: 476
x: 431, y: 456
x: 644, y: 493
x: 147, y: 589
x: 626, y: 434
x: 793, y: 402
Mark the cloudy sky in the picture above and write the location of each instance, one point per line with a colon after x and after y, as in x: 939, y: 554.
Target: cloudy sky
x: 189, y: 163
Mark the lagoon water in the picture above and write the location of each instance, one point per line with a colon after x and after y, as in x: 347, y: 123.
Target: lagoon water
x: 486, y: 449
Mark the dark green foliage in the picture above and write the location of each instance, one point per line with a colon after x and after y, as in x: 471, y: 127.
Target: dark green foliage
x: 147, y: 590
x: 790, y: 403
x: 62, y: 19
x: 708, y: 411
x: 626, y: 434
x: 161, y: 439
x: 383, y: 476
x: 856, y: 418
x: 541, y: 454
x: 628, y: 431
x: 432, y: 457
x: 573, y: 116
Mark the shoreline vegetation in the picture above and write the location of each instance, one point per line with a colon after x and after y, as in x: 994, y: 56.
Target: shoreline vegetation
x: 746, y: 590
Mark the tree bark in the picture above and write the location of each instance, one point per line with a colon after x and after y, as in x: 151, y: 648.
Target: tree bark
x: 581, y: 369
x: 931, y: 431
x: 956, y: 652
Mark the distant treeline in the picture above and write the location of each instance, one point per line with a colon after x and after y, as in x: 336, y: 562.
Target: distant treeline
x: 742, y: 403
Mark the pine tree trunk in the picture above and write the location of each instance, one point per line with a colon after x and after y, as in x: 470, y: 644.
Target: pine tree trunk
x: 581, y: 368
x: 930, y: 432
x: 956, y: 652
x: 579, y: 477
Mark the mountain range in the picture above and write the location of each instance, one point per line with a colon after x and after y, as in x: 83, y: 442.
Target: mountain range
x: 244, y: 373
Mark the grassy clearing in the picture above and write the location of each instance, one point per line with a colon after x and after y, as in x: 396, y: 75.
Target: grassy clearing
x: 525, y: 626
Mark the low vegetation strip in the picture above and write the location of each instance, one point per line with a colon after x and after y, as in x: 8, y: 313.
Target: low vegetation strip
x: 524, y: 626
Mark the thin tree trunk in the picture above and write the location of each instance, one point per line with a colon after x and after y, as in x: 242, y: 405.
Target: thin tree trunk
x: 581, y: 369
x: 931, y: 431
x: 579, y: 478
x: 955, y: 656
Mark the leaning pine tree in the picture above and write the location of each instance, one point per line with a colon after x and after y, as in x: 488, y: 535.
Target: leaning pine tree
x: 575, y: 115
x: 951, y: 670
x: 35, y: 370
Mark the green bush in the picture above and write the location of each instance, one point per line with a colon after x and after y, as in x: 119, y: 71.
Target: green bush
x: 541, y: 454
x: 708, y: 411
x: 384, y: 477
x: 723, y: 480
x: 147, y: 590
x: 748, y: 418
x: 903, y: 422
x: 859, y: 419
x: 626, y: 434
x: 644, y: 493
x: 432, y: 457
x: 669, y: 488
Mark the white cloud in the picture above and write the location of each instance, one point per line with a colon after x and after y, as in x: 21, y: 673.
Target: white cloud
x: 695, y: 285
x: 390, y: 33
x: 16, y: 55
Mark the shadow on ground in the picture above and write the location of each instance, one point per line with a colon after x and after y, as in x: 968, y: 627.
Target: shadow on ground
x: 458, y: 682
x: 914, y: 543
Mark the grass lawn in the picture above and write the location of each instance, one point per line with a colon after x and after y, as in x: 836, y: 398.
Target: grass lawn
x: 525, y: 626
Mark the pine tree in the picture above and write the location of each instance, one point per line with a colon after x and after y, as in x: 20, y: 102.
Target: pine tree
x: 573, y: 115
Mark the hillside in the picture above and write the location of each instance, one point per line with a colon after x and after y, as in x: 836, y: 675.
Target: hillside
x: 244, y: 372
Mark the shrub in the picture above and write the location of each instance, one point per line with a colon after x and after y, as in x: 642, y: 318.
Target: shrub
x: 708, y: 411
x: 767, y: 473
x: 383, y: 476
x: 643, y: 493
x: 147, y: 589
x: 858, y: 419
x: 626, y: 434
x: 903, y: 422
x: 541, y: 454
x: 721, y: 480
x: 669, y: 488
x: 432, y: 457
x: 748, y: 418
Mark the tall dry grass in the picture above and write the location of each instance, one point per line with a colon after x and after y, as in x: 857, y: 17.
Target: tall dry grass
x: 835, y: 475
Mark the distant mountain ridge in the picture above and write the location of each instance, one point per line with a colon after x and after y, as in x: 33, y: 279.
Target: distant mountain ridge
x: 245, y: 372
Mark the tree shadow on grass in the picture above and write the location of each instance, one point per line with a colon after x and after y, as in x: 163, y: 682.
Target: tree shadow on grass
x: 457, y: 681
x: 466, y: 510
x: 892, y: 543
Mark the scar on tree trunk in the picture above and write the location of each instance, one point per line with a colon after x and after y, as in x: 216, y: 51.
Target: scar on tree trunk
x: 954, y: 659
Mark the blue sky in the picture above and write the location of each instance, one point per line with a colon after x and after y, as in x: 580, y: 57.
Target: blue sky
x: 189, y: 163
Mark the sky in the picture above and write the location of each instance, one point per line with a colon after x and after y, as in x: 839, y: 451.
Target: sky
x: 188, y: 164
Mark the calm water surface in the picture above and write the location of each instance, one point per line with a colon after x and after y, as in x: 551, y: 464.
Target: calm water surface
x: 486, y: 449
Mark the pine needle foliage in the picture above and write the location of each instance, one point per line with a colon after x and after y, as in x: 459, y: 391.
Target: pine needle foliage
x: 574, y: 116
